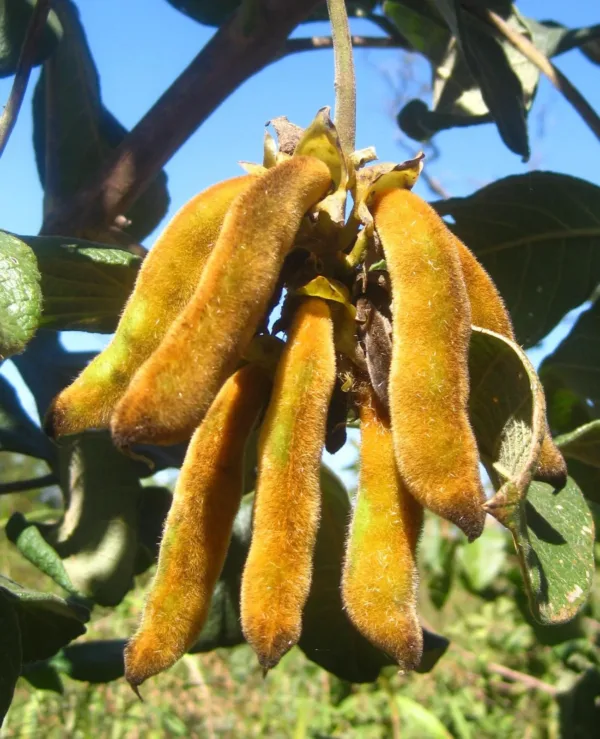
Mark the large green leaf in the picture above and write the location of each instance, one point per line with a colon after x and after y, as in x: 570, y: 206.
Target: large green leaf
x: 538, y: 235
x: 488, y: 62
x: 14, y: 20
x: 77, y: 284
x: 554, y: 536
x: 96, y: 539
x: 10, y: 652
x: 506, y: 406
x: 576, y: 360
x: 553, y: 530
x: 421, y: 25
x: 92, y: 661
x: 84, y: 285
x: 20, y: 295
x: 46, y: 622
x: 74, y: 133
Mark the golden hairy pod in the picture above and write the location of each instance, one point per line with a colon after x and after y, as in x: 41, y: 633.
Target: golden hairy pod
x: 278, y: 570
x: 207, y: 339
x: 488, y: 311
x: 436, y: 450
x: 198, y: 528
x: 380, y: 578
x: 166, y: 281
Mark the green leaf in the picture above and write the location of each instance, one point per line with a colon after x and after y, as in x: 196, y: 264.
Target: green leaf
x: 538, y: 236
x: 32, y: 545
x: 84, y: 285
x: 46, y: 622
x: 98, y: 661
x: 576, y: 360
x: 579, y: 710
x: 582, y: 444
x: 18, y: 433
x: 14, y: 20
x: 42, y: 676
x: 506, y: 407
x: 10, y: 652
x: 552, y: 38
x: 553, y: 533
x: 421, y: 25
x: 20, y: 295
x: 587, y: 478
x: 74, y: 134
x: 482, y: 560
x: 92, y: 550
x: 489, y: 64
x: 417, y: 721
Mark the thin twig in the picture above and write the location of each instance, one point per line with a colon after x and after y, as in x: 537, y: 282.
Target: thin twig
x: 530, y: 682
x: 20, y: 486
x: 236, y: 52
x: 556, y: 77
x: 25, y: 63
x: 345, y: 81
x: 294, y: 45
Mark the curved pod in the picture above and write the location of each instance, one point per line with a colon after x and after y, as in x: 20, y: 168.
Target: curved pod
x: 435, y: 447
x: 278, y: 571
x: 198, y: 528
x: 207, y: 339
x: 166, y: 281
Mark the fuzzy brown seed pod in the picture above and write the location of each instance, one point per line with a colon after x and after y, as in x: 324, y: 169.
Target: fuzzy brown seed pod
x: 380, y: 579
x: 207, y: 339
x: 488, y: 311
x: 436, y: 450
x: 278, y: 570
x: 198, y: 528
x: 166, y: 282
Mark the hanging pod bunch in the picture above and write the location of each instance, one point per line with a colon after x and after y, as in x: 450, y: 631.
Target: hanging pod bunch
x: 379, y: 304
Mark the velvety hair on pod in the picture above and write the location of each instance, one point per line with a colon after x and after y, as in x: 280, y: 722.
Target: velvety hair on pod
x: 206, y: 341
x: 435, y: 446
x: 198, y: 528
x: 166, y: 281
x: 278, y: 571
x: 380, y: 578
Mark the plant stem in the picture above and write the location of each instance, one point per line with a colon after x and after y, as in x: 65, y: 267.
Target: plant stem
x: 345, y: 81
x: 233, y: 54
x: 23, y: 70
x: 20, y: 486
x: 556, y: 77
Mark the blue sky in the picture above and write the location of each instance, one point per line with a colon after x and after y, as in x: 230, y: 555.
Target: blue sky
x: 140, y: 47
